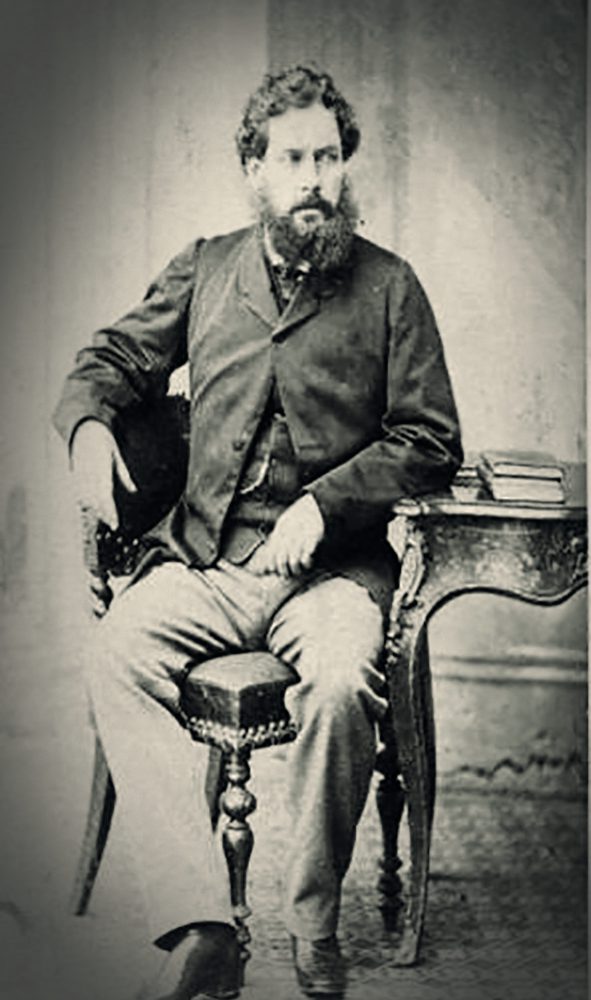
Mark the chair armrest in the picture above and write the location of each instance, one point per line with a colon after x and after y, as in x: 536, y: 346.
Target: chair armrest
x: 100, y: 591
x: 153, y: 440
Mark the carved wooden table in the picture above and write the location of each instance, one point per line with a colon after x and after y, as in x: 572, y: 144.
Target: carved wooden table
x: 453, y: 545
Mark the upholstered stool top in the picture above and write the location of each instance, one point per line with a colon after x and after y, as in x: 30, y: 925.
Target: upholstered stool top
x: 236, y: 701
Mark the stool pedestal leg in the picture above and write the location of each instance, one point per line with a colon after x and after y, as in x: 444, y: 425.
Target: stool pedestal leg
x: 237, y: 838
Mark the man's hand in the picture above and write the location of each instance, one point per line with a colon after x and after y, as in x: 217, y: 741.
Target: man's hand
x: 291, y: 545
x: 96, y: 461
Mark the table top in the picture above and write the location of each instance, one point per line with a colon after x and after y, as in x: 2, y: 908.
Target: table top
x: 468, y: 497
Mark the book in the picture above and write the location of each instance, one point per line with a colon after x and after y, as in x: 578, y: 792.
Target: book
x: 529, y: 464
x: 522, y: 489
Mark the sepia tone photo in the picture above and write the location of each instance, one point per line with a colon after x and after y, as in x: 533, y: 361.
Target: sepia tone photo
x: 293, y: 552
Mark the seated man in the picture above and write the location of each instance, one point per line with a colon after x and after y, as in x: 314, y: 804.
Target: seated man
x: 319, y: 396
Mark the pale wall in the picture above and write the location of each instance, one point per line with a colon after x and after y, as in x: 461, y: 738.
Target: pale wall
x: 118, y: 149
x: 120, y: 140
x: 472, y: 165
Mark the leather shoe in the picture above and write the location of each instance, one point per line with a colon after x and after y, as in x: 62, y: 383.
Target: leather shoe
x: 205, y: 963
x: 319, y: 966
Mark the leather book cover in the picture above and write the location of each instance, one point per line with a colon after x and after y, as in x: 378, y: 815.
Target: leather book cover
x: 528, y: 464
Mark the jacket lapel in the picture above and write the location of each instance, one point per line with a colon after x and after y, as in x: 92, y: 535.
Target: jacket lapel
x: 253, y: 282
x: 257, y: 296
x: 304, y: 303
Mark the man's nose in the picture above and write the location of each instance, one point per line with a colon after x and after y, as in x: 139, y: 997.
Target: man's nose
x: 309, y: 176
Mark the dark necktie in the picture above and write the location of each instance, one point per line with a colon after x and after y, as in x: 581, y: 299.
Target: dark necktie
x: 286, y: 278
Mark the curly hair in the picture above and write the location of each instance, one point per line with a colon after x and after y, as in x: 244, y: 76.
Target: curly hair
x: 294, y: 87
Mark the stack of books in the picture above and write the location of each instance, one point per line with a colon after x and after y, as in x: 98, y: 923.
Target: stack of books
x: 522, y: 477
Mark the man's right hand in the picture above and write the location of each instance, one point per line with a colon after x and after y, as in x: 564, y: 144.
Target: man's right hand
x: 96, y: 463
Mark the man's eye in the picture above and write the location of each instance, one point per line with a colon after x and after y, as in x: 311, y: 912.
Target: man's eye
x: 294, y: 157
x: 326, y: 156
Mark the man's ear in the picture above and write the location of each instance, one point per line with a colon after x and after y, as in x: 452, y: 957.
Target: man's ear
x: 253, y: 168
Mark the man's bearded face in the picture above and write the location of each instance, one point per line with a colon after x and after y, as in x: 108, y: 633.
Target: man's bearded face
x: 323, y: 238
x: 302, y: 192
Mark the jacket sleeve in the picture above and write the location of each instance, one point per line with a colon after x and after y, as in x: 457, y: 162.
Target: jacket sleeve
x: 132, y: 360
x: 419, y: 449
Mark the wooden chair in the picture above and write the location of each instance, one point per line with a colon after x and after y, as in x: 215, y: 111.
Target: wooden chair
x: 235, y: 703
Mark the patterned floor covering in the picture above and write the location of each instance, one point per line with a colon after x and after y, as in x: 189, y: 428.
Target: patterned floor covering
x: 507, y: 901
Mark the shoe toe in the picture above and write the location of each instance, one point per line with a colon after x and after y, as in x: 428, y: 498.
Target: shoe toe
x: 319, y: 966
x: 205, y: 964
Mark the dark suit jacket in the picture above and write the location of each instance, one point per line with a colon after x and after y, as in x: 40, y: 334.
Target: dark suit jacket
x: 358, y: 363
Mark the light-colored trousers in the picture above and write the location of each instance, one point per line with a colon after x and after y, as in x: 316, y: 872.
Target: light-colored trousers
x: 331, y: 632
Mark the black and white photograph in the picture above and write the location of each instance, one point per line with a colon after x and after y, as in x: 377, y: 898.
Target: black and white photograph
x: 293, y: 518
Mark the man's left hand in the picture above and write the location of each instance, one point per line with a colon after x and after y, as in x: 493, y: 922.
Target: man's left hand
x: 290, y: 548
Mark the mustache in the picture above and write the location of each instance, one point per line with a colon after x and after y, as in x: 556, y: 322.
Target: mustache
x: 315, y: 201
x: 327, y: 246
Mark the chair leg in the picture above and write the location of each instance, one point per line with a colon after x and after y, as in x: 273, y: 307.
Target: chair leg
x: 98, y: 823
x: 390, y: 802
x: 237, y: 803
x: 390, y: 795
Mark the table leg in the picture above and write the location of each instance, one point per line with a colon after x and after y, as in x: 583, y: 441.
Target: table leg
x: 412, y: 717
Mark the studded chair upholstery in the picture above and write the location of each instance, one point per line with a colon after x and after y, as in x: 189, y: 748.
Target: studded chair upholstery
x: 233, y: 703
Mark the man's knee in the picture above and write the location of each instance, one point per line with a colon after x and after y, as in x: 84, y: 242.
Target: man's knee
x: 337, y: 636
x: 129, y: 647
x: 339, y: 684
x: 115, y: 641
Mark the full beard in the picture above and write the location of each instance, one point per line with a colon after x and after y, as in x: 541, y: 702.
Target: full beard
x: 324, y: 248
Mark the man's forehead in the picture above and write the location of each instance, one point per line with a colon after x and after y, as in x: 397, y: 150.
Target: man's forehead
x: 300, y: 128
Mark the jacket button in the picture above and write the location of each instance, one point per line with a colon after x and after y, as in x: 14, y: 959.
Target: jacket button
x: 238, y: 445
